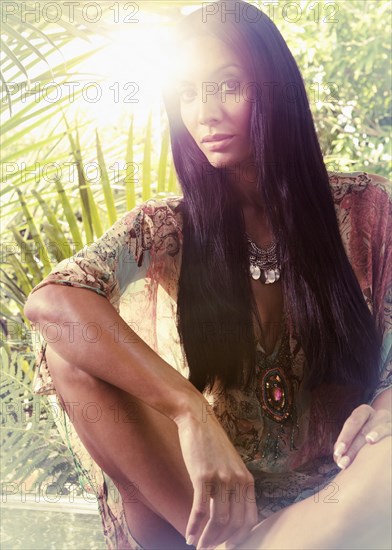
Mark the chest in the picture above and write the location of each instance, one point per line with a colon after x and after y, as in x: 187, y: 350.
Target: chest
x: 269, y: 302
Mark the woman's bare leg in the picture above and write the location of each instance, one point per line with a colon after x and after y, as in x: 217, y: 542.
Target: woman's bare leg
x: 352, y: 513
x: 137, y: 447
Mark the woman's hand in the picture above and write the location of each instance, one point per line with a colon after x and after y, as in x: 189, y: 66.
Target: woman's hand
x: 224, y: 503
x: 364, y: 425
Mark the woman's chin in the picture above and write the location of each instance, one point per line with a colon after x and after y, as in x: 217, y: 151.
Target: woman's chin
x: 223, y: 161
x: 229, y: 160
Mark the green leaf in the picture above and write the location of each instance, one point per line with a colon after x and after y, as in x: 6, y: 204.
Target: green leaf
x: 163, y: 162
x: 146, y: 178
x: 172, y: 184
x: 107, y: 190
x: 69, y: 215
x: 23, y: 281
x: 27, y: 257
x: 36, y: 236
x: 130, y: 171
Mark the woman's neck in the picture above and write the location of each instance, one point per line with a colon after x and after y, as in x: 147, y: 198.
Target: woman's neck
x: 243, y: 179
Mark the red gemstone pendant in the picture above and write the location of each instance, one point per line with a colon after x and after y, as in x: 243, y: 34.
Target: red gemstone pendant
x: 275, y: 394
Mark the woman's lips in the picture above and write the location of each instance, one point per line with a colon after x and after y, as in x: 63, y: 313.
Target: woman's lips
x: 218, y: 145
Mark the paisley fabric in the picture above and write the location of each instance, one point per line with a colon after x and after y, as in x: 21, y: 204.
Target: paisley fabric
x: 136, y: 265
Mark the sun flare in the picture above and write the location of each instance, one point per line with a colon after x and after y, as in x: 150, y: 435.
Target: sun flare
x: 130, y: 71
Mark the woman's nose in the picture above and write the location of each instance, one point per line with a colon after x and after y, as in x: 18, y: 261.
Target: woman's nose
x: 210, y: 109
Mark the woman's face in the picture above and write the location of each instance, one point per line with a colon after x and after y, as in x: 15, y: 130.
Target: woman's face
x: 210, y: 81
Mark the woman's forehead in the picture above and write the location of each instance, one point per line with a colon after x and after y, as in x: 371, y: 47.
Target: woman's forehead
x: 203, y: 58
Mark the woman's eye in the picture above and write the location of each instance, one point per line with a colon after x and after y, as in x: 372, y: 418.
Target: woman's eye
x: 230, y: 85
x: 187, y: 94
x: 227, y: 86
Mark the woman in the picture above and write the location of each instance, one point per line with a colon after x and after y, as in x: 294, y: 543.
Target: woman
x: 228, y: 375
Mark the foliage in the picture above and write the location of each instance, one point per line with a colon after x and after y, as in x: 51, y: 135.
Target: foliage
x: 32, y: 451
x: 342, y: 49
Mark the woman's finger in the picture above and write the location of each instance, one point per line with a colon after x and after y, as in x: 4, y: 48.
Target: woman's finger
x: 359, y: 441
x: 237, y: 528
x: 237, y: 515
x: 220, y: 517
x: 250, y: 519
x: 377, y: 427
x: 375, y: 431
x: 379, y: 432
x: 365, y: 436
x: 351, y: 428
x: 199, y: 514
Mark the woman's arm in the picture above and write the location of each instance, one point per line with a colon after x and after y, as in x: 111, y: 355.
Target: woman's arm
x: 122, y: 359
x: 112, y: 352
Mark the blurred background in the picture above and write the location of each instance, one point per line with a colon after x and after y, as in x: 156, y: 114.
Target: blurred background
x: 84, y: 139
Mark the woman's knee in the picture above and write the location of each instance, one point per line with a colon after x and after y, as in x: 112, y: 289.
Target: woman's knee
x: 58, y: 365
x: 68, y: 378
x: 366, y: 488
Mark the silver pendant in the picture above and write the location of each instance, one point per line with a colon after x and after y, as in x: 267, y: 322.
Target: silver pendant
x: 266, y: 276
x: 255, y: 272
x: 263, y: 262
x: 270, y: 276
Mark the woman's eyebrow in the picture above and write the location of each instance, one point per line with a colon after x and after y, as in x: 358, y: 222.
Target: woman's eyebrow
x: 217, y: 71
x: 220, y: 69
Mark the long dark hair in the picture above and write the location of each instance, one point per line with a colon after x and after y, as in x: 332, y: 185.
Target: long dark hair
x: 329, y: 317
